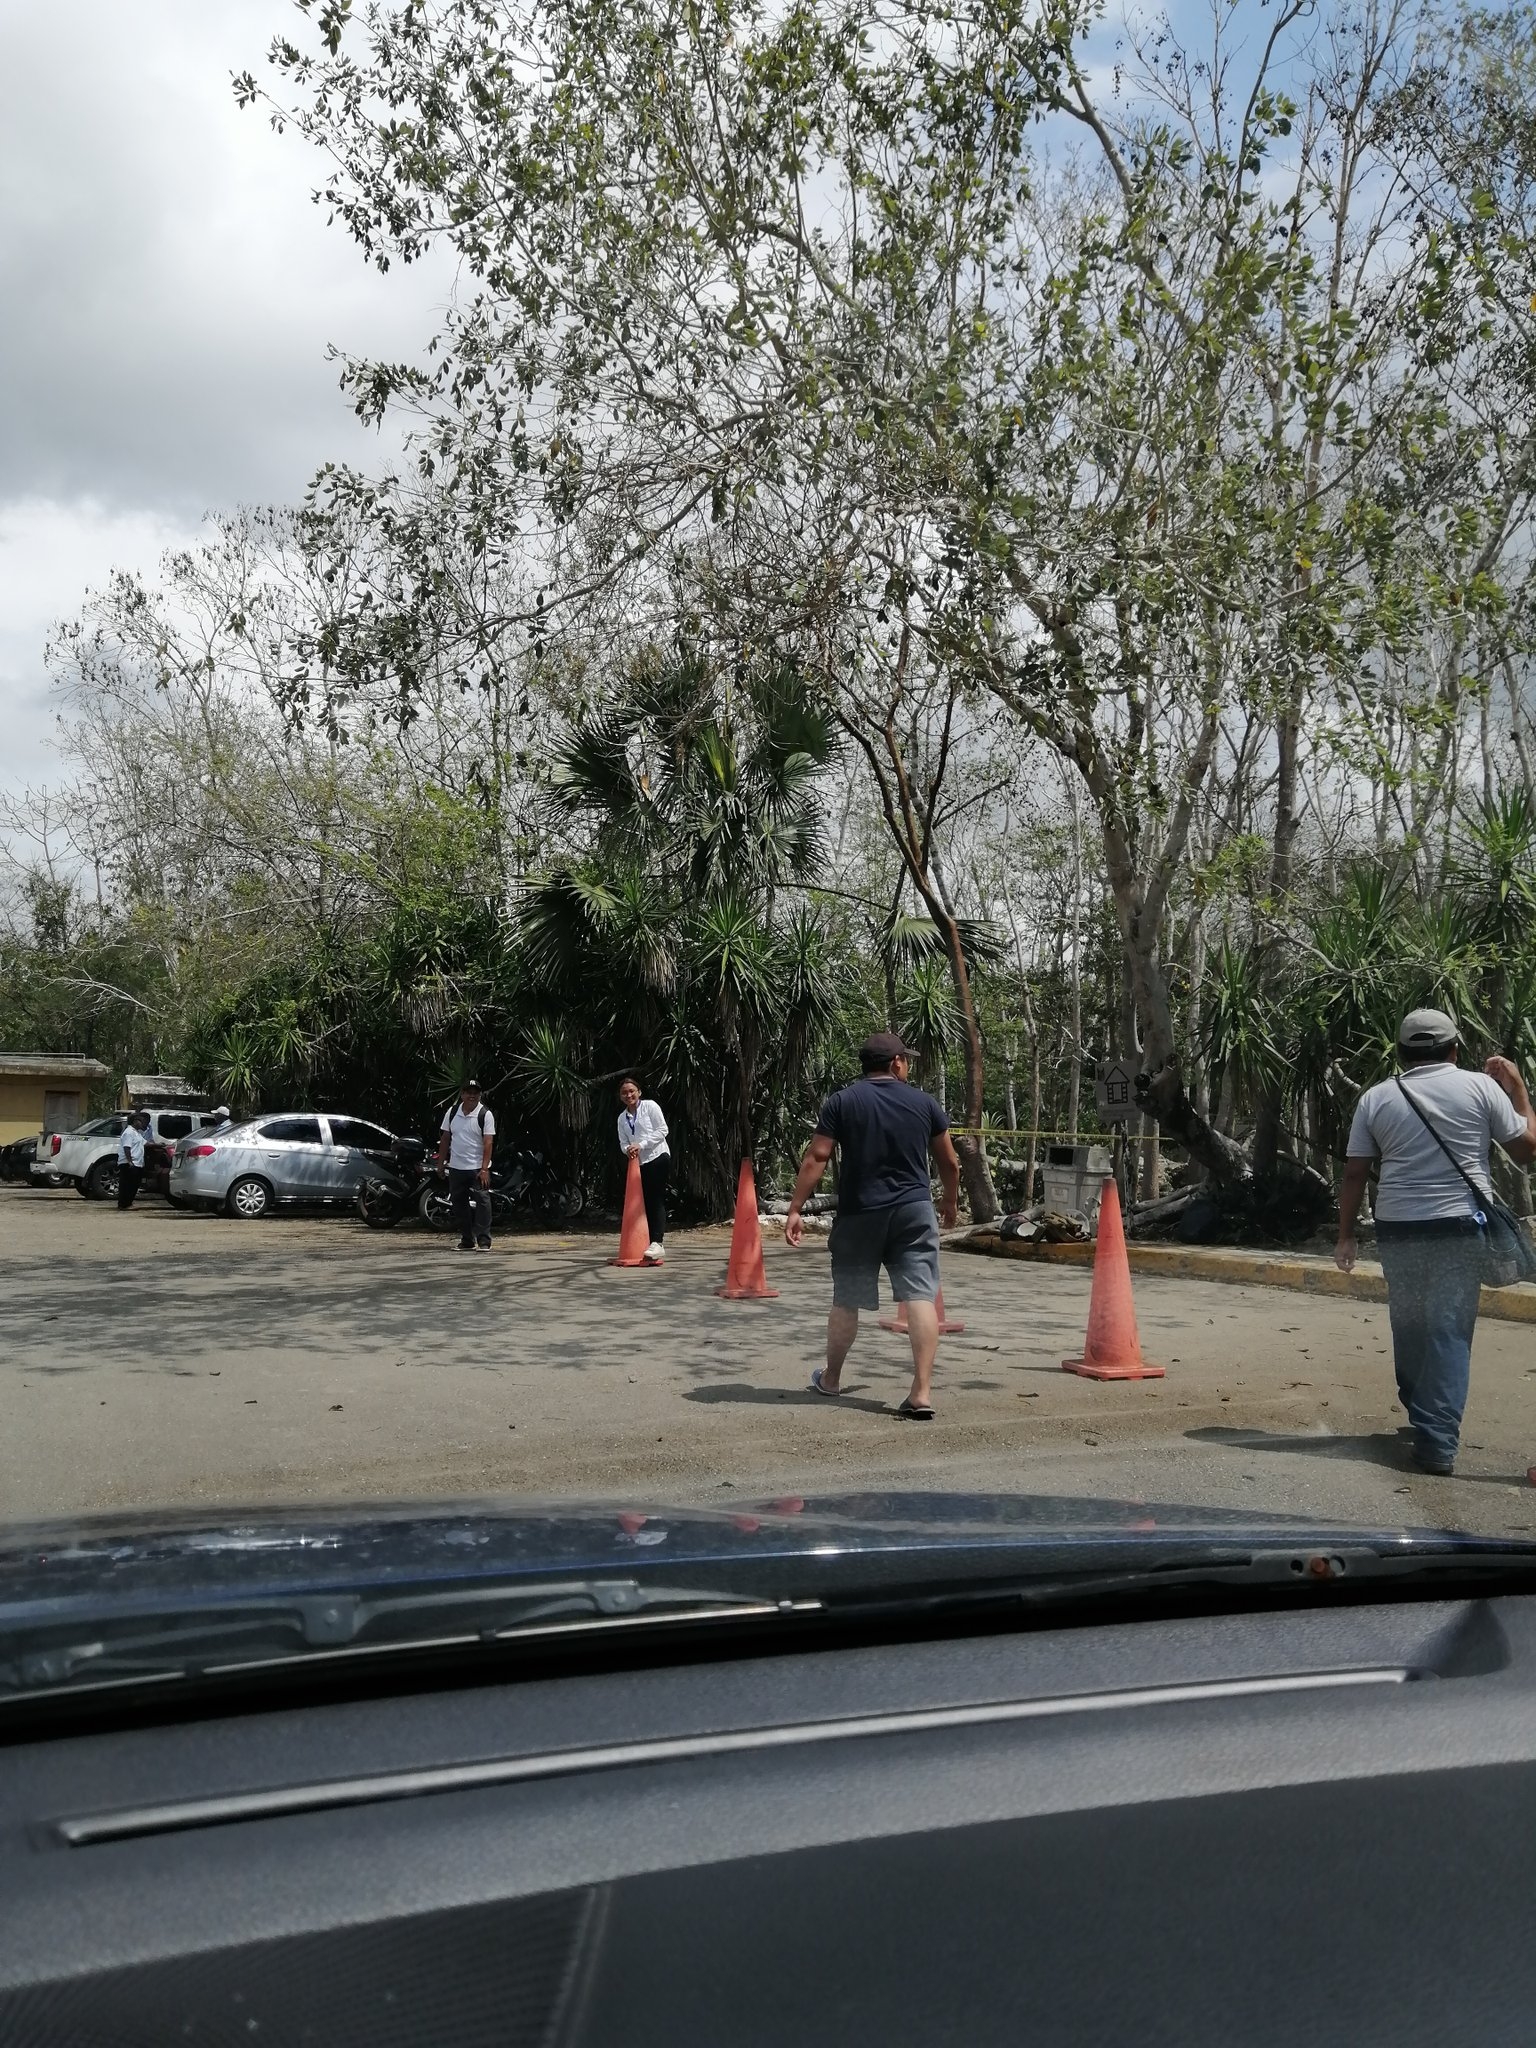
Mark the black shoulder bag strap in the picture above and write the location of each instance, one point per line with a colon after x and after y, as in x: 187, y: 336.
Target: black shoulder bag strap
x: 1479, y: 1195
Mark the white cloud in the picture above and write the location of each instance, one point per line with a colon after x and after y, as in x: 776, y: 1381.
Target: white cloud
x: 169, y: 295
x: 50, y: 554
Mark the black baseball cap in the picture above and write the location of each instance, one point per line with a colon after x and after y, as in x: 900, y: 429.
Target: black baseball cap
x: 881, y: 1047
x: 466, y: 1086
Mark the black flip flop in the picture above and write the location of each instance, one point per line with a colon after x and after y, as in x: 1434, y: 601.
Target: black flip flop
x: 914, y: 1411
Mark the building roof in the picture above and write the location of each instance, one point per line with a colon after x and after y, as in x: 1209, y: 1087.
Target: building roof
x: 158, y: 1088
x: 51, y: 1066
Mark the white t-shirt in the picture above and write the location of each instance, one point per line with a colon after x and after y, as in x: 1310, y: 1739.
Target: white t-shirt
x: 130, y: 1147
x: 1418, y: 1183
x: 465, y: 1149
x: 647, y: 1128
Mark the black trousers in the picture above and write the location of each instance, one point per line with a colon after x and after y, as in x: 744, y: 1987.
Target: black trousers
x: 128, y: 1179
x: 465, y: 1191
x: 653, y: 1185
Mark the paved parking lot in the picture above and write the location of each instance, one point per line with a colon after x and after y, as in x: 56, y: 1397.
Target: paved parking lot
x: 156, y: 1358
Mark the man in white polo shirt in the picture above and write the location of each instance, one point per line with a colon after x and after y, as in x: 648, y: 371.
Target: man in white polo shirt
x: 1427, y: 1227
x: 130, y: 1158
x: 466, y: 1140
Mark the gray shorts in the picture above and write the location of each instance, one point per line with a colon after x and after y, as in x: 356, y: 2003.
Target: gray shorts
x: 903, y: 1239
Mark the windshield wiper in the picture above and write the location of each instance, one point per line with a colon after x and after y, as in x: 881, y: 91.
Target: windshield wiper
x: 221, y: 1641
x: 236, y: 1638
x: 1300, y: 1569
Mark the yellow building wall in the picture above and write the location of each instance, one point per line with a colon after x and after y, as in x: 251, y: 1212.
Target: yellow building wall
x: 21, y: 1104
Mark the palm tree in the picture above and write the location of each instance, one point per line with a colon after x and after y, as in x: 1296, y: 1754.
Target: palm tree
x: 930, y: 1019
x: 684, y: 939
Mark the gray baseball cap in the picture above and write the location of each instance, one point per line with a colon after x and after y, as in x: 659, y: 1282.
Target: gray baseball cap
x: 1428, y: 1031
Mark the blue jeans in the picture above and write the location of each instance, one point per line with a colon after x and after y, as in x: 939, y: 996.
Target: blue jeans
x: 1434, y: 1277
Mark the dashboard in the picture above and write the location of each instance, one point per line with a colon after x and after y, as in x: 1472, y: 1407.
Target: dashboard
x: 1293, y: 1827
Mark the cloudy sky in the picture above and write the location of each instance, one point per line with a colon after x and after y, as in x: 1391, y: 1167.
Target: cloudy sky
x: 168, y: 295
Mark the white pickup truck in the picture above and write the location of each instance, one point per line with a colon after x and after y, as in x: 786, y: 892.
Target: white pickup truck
x: 87, y: 1158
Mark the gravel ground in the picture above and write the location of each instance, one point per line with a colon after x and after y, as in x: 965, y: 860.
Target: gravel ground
x: 155, y: 1358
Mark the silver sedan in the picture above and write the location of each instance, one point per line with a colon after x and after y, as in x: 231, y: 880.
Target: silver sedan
x: 299, y: 1157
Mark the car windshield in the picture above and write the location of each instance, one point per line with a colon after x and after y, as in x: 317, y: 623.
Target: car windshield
x: 856, y: 852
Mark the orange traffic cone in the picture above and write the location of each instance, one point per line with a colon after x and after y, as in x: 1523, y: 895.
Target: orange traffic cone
x: 898, y: 1322
x: 745, y: 1279
x: 1113, y: 1349
x: 634, y: 1231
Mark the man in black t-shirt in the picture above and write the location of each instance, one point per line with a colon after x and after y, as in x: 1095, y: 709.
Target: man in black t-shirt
x: 885, y: 1213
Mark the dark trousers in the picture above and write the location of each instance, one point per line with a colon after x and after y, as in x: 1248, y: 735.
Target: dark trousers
x: 653, y: 1185
x: 128, y: 1179
x: 465, y: 1191
x: 1434, y: 1281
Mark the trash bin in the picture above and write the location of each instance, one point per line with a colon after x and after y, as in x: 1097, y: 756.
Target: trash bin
x: 1072, y: 1177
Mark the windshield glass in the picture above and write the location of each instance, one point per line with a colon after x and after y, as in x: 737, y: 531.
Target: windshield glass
x: 869, y: 858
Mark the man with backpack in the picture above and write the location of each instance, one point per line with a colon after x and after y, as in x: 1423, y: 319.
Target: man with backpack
x: 465, y: 1142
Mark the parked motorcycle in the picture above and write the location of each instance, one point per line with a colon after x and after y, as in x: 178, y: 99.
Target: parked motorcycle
x: 412, y: 1182
x: 522, y: 1180
x: 389, y: 1196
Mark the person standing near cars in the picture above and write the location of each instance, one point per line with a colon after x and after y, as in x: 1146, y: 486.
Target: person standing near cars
x: 465, y: 1143
x: 1423, y: 1126
x: 643, y: 1136
x: 130, y: 1158
x: 885, y: 1213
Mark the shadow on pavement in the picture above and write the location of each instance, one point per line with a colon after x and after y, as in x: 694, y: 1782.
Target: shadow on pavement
x: 794, y: 1397
x: 1391, y: 1451
x: 1383, y: 1449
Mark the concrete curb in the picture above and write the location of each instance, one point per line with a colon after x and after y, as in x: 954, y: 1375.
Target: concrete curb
x: 1244, y: 1269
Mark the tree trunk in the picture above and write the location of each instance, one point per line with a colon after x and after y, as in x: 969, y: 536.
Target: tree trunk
x: 913, y: 840
x: 1200, y: 1081
x: 1032, y: 1027
x: 1160, y: 1084
x: 1075, y: 969
x: 1151, y: 1158
x: 980, y: 1195
x: 1267, y: 1122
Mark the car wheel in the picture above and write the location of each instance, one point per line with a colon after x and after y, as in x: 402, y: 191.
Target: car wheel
x: 80, y: 1187
x: 249, y: 1198
x: 101, y: 1181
